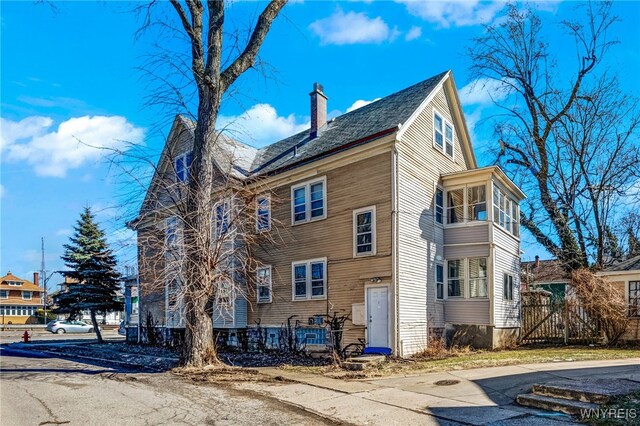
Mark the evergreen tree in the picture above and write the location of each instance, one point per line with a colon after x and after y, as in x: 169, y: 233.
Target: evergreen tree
x: 92, y: 265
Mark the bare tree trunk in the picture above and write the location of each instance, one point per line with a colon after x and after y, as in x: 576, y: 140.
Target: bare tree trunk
x: 96, y: 329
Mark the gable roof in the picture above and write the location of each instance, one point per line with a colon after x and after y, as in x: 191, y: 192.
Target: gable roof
x: 26, y: 285
x: 632, y: 264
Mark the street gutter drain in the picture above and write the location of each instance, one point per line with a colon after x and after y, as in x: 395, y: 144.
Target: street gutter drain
x: 446, y: 382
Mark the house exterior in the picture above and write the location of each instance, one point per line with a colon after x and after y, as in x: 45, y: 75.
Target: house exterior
x: 383, y: 214
x: 19, y: 299
x: 625, y: 276
x: 111, y: 318
x: 545, y: 275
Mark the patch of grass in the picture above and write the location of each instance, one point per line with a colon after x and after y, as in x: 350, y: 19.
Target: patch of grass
x: 466, y: 359
x: 621, y: 411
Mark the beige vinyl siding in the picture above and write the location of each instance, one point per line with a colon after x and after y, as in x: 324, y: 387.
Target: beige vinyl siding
x: 506, y: 260
x: 151, y: 274
x: 467, y: 311
x: 475, y: 233
x: 360, y: 184
x: 419, y: 169
x: 466, y: 250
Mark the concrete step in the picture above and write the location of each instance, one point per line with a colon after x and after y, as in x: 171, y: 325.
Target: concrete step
x: 362, y: 362
x: 597, y: 391
x: 561, y: 405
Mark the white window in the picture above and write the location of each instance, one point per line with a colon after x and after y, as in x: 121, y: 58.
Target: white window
x: 477, y: 203
x: 515, y: 217
x: 263, y: 213
x: 171, y: 232
x: 439, y: 281
x: 308, y: 201
x: 478, y: 277
x: 263, y: 284
x: 507, y: 287
x: 225, y: 294
x: 4, y: 294
x: 442, y: 135
x: 455, y: 277
x: 309, y: 279
x: 14, y: 283
x: 439, y: 206
x: 221, y: 219
x: 455, y: 206
x: 182, y: 167
x: 27, y: 295
x: 505, y: 211
x: 364, y: 231
x: 634, y: 298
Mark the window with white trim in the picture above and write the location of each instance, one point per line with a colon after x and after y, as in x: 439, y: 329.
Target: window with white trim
x: 14, y: 283
x: 225, y: 294
x: 455, y: 277
x: 442, y: 135
x: 263, y: 284
x: 478, y: 277
x: 439, y: 281
x: 505, y: 211
x: 171, y: 232
x: 263, y: 213
x: 308, y: 201
x: 507, y: 287
x: 477, y: 203
x: 221, y: 218
x: 27, y: 295
x: 364, y: 231
x: 455, y: 206
x: 439, y: 205
x: 634, y: 298
x: 309, y: 279
x: 183, y: 166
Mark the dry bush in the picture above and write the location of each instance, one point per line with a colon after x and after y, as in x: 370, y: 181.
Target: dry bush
x: 602, y: 302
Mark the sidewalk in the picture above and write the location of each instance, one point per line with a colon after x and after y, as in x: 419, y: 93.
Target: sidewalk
x: 477, y: 396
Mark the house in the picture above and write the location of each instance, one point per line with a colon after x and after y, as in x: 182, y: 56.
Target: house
x: 384, y: 215
x: 546, y: 275
x: 625, y: 276
x: 131, y: 310
x: 111, y: 318
x: 19, y: 299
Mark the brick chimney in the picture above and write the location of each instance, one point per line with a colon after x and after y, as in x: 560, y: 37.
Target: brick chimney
x: 36, y: 279
x: 318, y: 110
x: 537, y: 264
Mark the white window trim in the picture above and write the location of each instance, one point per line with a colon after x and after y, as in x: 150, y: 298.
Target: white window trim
x: 169, y: 313
x: 187, y: 175
x: 356, y: 212
x: 7, y: 294
x: 227, y: 206
x: 468, y: 278
x: 465, y: 205
x: 30, y: 295
x: 465, y: 290
x: 444, y: 206
x: 307, y: 186
x: 443, y: 150
x: 270, y: 285
x: 463, y: 280
x: 444, y: 281
x: 513, y: 285
x: 515, y: 221
x: 14, y: 283
x: 308, y: 296
x: 268, y: 198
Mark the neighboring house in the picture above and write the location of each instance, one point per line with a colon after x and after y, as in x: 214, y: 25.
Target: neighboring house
x: 19, y: 299
x: 111, y: 318
x: 625, y: 276
x: 131, y: 310
x: 383, y: 213
x: 547, y: 275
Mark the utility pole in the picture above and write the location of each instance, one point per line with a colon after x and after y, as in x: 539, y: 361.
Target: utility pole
x: 43, y: 274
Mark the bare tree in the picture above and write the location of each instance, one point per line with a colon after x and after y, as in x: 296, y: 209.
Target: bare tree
x: 209, y: 260
x: 568, y: 138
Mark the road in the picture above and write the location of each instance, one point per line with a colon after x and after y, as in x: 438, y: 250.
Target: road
x: 12, y: 336
x: 51, y: 391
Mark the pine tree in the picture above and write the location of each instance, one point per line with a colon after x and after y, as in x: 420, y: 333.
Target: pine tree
x: 92, y: 266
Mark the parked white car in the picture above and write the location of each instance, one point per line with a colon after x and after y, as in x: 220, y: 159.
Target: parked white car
x: 62, y: 326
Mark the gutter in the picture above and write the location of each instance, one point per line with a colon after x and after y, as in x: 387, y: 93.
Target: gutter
x: 394, y: 250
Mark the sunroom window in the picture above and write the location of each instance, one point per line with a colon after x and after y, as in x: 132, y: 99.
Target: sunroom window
x: 477, y: 202
x: 455, y: 206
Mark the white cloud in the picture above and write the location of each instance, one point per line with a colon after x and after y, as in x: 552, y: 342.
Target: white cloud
x: 458, y: 13
x: 352, y: 28
x: 75, y: 143
x: 414, y: 33
x: 359, y: 104
x: 261, y: 125
x: 483, y: 91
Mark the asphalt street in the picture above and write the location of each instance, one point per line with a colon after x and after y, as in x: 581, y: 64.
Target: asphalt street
x: 42, y: 391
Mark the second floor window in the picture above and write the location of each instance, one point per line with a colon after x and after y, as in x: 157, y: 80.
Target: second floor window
x: 455, y: 206
x: 309, y: 279
x: 477, y: 203
x: 308, y: 201
x: 442, y: 135
x: 439, y: 206
x: 182, y: 167
x: 263, y: 213
x: 221, y: 212
x: 505, y: 211
x: 171, y: 232
x: 263, y: 284
x: 27, y: 295
x: 364, y: 231
x: 4, y: 294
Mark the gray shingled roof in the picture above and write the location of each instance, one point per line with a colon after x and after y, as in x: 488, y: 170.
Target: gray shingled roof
x: 632, y: 264
x: 348, y: 129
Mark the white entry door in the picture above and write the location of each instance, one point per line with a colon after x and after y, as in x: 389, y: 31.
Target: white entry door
x: 377, y: 317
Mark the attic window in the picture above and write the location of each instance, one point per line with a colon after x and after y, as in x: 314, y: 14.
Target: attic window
x: 14, y: 283
x: 442, y: 135
x: 182, y: 167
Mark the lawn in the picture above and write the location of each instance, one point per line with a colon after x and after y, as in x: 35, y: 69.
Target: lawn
x: 467, y: 359
x: 621, y: 411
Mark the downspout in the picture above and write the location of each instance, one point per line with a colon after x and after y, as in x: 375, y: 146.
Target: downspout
x: 394, y: 249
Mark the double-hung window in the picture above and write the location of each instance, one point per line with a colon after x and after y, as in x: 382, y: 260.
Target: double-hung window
x: 505, y: 211
x: 225, y: 294
x: 478, y: 277
x: 439, y: 281
x: 182, y: 167
x: 263, y: 213
x: 27, y: 295
x: 455, y: 206
x: 4, y: 294
x: 364, y: 231
x: 507, y: 287
x: 263, y: 284
x: 455, y: 277
x: 477, y: 203
x: 634, y: 298
x: 14, y: 283
x: 309, y: 279
x: 442, y: 135
x: 221, y: 219
x: 439, y: 206
x: 308, y: 201
x: 171, y: 233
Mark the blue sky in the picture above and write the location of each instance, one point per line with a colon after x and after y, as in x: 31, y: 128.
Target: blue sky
x: 73, y: 73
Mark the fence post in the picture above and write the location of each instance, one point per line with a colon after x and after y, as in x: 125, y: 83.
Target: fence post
x: 566, y: 322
